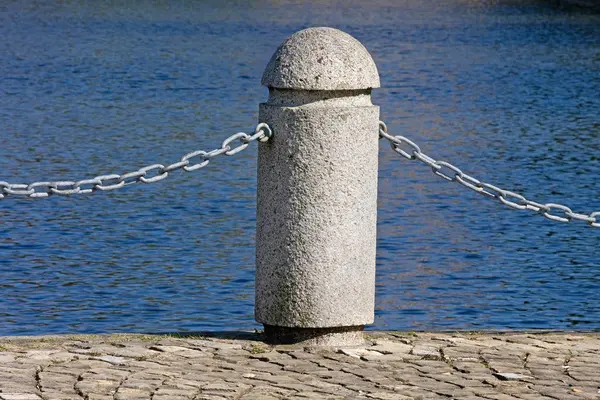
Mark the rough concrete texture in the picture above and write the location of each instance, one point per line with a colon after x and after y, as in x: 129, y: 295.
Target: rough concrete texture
x: 392, y: 366
x: 316, y: 217
x: 321, y: 59
x: 317, y: 187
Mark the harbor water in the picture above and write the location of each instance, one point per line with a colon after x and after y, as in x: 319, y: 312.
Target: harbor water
x: 509, y: 91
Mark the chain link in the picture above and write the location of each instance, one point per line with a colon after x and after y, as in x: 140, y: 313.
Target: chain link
x: 150, y: 174
x: 555, y: 212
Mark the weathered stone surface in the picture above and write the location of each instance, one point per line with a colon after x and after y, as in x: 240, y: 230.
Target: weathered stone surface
x: 19, y: 396
x: 511, y: 376
x: 317, y: 191
x: 110, y: 359
x: 321, y: 59
x: 258, y: 371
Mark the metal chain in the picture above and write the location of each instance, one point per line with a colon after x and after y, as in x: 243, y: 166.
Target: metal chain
x: 411, y: 151
x: 150, y: 174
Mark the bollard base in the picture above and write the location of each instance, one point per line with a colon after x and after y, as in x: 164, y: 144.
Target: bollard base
x: 347, y: 336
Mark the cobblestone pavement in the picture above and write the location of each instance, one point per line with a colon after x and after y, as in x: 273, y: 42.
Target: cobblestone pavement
x: 239, y: 366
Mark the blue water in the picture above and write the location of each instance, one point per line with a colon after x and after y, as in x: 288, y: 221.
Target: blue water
x: 507, y: 90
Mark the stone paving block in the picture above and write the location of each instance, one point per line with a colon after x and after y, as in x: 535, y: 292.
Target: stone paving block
x: 147, y: 385
x: 430, y: 366
x: 386, y: 396
x: 338, y: 377
x: 427, y: 352
x: 61, y: 357
x: 361, y: 353
x: 456, y: 354
x: 556, y: 392
x: 543, y: 359
x: 184, y: 383
x: 182, y: 352
x: 258, y: 396
x: 82, y: 365
x: 326, y: 387
x: 440, y: 388
x: 6, y: 358
x: 19, y: 396
x: 460, y: 381
x: 132, y: 394
x: 340, y: 358
x: 490, y: 366
x: 224, y: 387
x: 163, y: 390
x: 315, y: 395
x: 391, y: 347
x: 136, y: 352
x: 40, y: 354
x: 90, y: 349
x: 272, y: 357
x: 52, y: 379
x: 16, y: 383
x: 300, y: 366
x: 296, y: 353
x: 586, y: 375
x: 264, y: 366
x: 274, y: 390
x: 98, y: 387
x: 470, y: 366
x: 61, y: 396
x: 146, y: 364
x: 512, y: 376
x: 106, y: 373
x: 586, y: 346
x: 213, y: 344
x: 500, y: 396
x: 22, y: 362
x: 233, y: 353
x: 110, y: 359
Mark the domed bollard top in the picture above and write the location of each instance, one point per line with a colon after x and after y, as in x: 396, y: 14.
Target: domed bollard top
x: 317, y: 191
x: 321, y: 59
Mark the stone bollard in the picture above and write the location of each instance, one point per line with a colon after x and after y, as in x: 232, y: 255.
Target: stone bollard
x: 317, y: 191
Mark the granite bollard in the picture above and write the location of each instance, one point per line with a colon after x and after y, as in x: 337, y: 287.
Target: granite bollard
x: 317, y: 191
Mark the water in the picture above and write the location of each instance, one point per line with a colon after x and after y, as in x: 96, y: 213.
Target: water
x: 509, y: 91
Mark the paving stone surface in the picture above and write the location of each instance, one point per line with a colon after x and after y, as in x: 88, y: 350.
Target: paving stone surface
x: 392, y: 365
